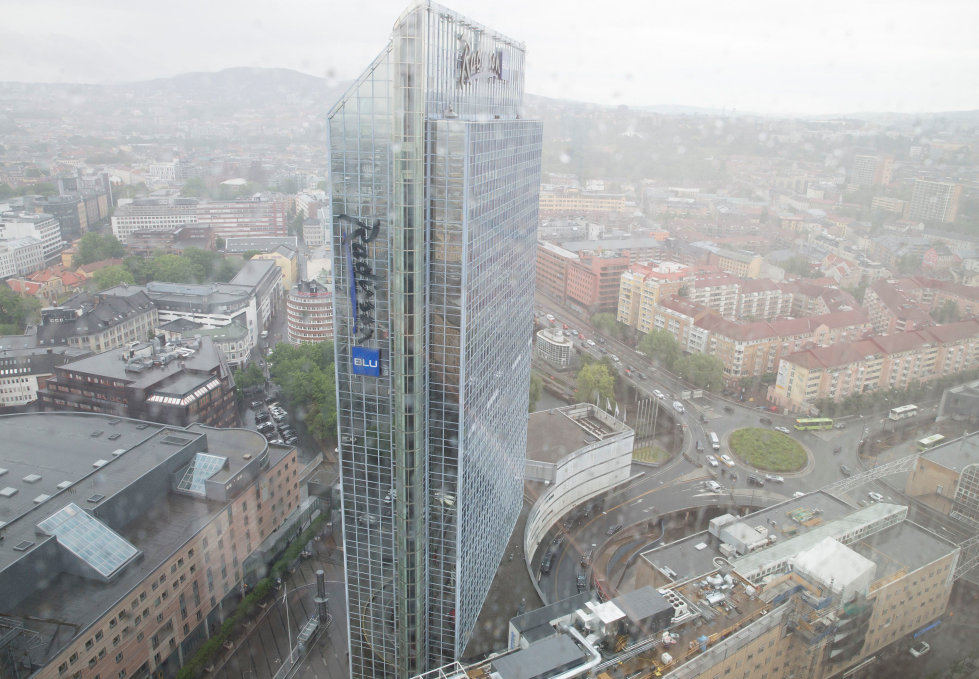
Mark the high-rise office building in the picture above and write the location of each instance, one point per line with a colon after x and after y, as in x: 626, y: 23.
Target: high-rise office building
x: 435, y: 183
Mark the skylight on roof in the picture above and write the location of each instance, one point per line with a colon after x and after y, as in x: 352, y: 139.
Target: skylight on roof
x: 201, y: 468
x: 89, y: 539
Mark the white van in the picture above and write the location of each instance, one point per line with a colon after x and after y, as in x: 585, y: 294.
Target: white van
x: 715, y: 442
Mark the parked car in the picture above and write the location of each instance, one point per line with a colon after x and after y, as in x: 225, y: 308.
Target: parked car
x: 712, y: 461
x: 774, y: 477
x: 614, y: 529
x: 784, y: 430
x: 919, y: 649
x: 845, y: 470
x: 726, y: 459
x: 255, y: 404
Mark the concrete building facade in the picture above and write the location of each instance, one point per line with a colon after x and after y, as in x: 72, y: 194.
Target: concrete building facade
x: 137, y: 544
x: 309, y: 313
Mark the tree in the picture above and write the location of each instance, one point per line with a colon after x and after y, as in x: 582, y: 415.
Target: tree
x: 174, y: 269
x: 248, y: 254
x: 536, y: 388
x: 249, y: 378
x: 94, y: 247
x: 111, y: 276
x: 227, y: 268
x: 701, y: 370
x: 305, y: 374
x: 947, y: 313
x: 660, y: 345
x: 909, y: 263
x: 595, y: 379
x: 16, y: 311
x: 219, y: 243
x: 194, y: 187
x: 605, y: 322
x: 205, y: 259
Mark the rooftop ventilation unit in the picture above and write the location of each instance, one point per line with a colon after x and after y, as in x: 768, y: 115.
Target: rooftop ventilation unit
x: 9, y: 491
x: 32, y: 478
x: 23, y: 546
x: 98, y: 464
x: 41, y: 498
x: 98, y: 497
x: 63, y: 485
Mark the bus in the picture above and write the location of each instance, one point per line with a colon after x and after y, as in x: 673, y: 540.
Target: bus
x: 715, y: 442
x: 805, y: 423
x: 902, y: 412
x: 930, y: 442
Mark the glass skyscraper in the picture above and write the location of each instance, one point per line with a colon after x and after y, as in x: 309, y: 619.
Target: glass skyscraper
x: 435, y: 179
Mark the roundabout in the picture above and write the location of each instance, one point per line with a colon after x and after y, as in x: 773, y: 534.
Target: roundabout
x: 768, y: 450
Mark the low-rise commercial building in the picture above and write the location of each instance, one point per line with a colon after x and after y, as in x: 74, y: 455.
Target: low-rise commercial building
x: 249, y: 299
x: 20, y: 256
x: 25, y: 367
x: 107, y: 320
x: 44, y: 227
x: 175, y: 384
x: 128, y: 543
x: 552, y: 346
x: 809, y: 585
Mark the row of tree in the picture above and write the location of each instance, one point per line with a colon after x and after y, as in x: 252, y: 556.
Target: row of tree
x: 305, y: 374
x: 193, y: 265
x: 703, y: 371
x: 16, y: 311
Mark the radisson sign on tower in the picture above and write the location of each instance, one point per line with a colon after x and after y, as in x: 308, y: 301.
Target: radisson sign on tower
x: 435, y: 178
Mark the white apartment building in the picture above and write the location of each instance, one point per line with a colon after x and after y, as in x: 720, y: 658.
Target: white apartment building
x: 45, y: 228
x: 21, y: 257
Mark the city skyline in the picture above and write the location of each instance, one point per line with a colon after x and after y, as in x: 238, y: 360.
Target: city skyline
x: 766, y: 58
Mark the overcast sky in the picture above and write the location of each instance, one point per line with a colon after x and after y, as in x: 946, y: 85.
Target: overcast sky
x: 769, y: 56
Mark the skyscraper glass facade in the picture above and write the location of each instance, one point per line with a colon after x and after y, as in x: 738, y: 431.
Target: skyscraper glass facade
x: 435, y: 180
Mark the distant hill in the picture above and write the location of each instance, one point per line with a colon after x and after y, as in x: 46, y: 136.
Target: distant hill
x: 251, y: 85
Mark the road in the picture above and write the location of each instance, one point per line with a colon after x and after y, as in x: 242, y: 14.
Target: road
x: 680, y: 483
x: 264, y: 645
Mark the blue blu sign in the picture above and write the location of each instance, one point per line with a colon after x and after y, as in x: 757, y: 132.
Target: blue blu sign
x: 366, y: 361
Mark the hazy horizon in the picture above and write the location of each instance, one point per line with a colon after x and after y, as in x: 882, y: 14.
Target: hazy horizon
x: 762, y: 57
